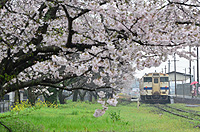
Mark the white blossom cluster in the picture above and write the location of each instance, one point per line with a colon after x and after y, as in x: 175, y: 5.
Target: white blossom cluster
x: 112, y: 101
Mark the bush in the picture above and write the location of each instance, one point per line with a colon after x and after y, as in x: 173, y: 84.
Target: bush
x: 115, y: 116
x: 11, y: 119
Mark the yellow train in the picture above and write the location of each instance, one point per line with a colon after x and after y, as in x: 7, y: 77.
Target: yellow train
x: 154, y: 88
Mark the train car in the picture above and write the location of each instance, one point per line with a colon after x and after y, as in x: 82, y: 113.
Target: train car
x: 154, y: 88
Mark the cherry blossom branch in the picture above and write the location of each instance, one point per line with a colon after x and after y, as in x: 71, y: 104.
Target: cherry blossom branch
x: 84, y: 11
x: 148, y: 44
x: 82, y: 46
x: 40, y: 81
x: 3, y: 3
x: 182, y: 3
x: 74, y: 88
x: 27, y: 60
x: 187, y: 23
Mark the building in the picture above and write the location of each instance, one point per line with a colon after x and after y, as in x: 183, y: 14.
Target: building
x: 182, y: 82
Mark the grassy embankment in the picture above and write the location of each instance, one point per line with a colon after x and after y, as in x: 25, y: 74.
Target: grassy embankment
x: 79, y: 117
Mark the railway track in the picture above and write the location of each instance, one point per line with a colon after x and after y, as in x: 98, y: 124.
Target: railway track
x: 187, y: 114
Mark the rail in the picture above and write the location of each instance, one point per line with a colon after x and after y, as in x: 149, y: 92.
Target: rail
x: 178, y: 112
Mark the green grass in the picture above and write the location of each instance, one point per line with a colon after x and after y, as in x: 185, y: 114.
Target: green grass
x: 79, y: 117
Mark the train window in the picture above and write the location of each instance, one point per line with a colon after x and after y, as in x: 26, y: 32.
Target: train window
x: 155, y: 74
x: 147, y: 79
x: 155, y: 80
x: 164, y: 79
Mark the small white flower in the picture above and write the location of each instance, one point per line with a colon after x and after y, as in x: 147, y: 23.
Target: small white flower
x: 115, y: 96
x: 112, y: 102
x: 89, y: 80
x: 101, y: 101
x: 105, y: 107
x: 99, y: 112
x: 101, y: 94
x: 26, y: 88
x: 50, y: 93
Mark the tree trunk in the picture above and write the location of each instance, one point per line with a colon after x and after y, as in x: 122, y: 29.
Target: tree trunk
x: 75, y: 96
x: 95, y: 95
x: 31, y: 96
x: 82, y: 94
x: 1, y: 93
x: 17, y: 97
x: 90, y: 96
x: 61, y: 97
x: 52, y: 99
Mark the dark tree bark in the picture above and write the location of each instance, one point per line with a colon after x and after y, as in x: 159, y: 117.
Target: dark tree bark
x: 82, y: 94
x: 95, y: 95
x: 75, y: 96
x: 31, y: 96
x: 52, y: 99
x: 61, y: 97
x: 17, y: 97
x: 90, y: 96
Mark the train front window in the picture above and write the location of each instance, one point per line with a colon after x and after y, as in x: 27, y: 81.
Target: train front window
x: 155, y: 80
x: 147, y: 79
x: 164, y: 79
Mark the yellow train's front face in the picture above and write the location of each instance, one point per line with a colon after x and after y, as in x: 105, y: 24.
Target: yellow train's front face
x: 154, y: 86
x: 164, y: 84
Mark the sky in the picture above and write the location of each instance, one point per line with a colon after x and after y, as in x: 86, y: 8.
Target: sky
x: 181, y: 64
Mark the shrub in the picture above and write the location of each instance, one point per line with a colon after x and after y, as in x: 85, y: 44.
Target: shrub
x: 115, y: 116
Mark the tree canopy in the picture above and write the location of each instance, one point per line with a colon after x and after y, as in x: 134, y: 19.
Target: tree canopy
x: 44, y: 42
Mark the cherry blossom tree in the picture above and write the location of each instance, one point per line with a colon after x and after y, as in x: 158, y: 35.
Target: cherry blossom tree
x: 81, y: 37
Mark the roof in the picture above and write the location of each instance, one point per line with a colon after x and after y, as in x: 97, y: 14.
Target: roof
x: 173, y: 72
x: 179, y: 76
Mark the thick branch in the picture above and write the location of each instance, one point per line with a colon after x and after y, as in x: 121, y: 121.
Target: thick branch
x: 40, y: 81
x: 148, y: 44
x: 30, y: 83
x: 187, y: 23
x: 27, y: 60
x: 184, y: 4
x: 3, y: 3
x: 70, y: 21
x: 71, y: 89
x: 82, y: 46
x: 5, y: 127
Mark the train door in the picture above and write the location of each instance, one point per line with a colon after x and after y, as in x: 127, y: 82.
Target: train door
x: 156, y: 86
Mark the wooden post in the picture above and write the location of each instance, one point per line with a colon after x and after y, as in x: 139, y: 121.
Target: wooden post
x: 138, y: 103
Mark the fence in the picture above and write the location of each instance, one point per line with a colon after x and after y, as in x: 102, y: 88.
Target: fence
x: 184, y: 89
x: 5, y: 106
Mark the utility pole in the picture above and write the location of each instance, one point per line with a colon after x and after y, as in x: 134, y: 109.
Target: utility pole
x: 184, y: 85
x: 165, y: 69
x: 190, y: 68
x: 197, y: 69
x: 168, y: 66
x: 194, y: 72
x: 175, y: 73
